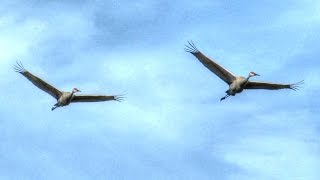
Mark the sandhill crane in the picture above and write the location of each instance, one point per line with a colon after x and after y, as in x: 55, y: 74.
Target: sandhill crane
x: 63, y: 98
x: 236, y: 83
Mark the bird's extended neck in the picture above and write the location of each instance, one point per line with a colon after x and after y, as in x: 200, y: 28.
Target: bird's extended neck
x: 247, y: 79
x: 249, y: 76
x: 72, y: 94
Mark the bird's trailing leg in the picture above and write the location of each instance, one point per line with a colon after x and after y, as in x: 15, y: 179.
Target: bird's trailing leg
x: 54, y: 107
x: 223, y: 98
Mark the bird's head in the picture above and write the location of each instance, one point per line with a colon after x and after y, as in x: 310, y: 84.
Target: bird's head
x: 75, y: 90
x: 251, y: 74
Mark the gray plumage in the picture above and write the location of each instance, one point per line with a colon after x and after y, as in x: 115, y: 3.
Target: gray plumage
x: 63, y: 98
x: 236, y: 83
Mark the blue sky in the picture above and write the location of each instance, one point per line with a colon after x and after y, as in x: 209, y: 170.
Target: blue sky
x: 171, y: 125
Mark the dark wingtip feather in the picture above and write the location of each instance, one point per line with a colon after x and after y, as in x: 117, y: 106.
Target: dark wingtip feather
x: 120, y: 98
x: 191, y: 48
x: 296, y: 86
x: 19, y: 67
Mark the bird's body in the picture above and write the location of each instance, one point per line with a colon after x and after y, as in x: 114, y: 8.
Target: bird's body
x: 236, y: 83
x: 63, y: 98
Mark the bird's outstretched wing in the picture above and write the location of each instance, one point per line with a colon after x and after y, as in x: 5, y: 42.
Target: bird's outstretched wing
x: 37, y: 81
x: 96, y: 98
x: 272, y: 86
x: 214, y: 67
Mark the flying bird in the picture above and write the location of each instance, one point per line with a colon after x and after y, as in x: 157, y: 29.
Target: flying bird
x: 63, y: 98
x: 236, y: 83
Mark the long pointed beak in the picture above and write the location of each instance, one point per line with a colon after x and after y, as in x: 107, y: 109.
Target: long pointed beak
x: 257, y: 74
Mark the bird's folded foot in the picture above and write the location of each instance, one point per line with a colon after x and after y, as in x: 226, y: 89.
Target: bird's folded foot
x: 53, y: 108
x: 223, y: 98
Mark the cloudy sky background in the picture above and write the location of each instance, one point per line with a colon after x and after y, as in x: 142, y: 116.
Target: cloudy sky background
x: 171, y: 125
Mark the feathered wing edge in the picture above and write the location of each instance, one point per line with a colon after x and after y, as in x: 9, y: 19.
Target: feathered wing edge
x: 273, y: 86
x: 296, y: 86
x: 37, y: 81
x: 214, y: 67
x: 97, y: 98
